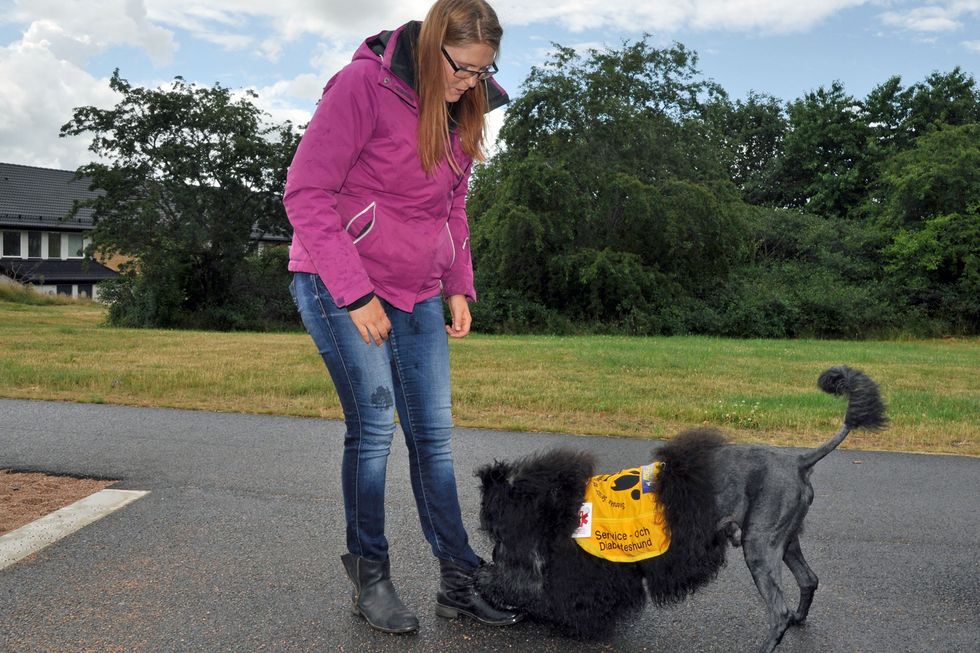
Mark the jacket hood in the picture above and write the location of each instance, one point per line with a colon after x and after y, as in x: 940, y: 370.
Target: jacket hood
x: 396, y: 48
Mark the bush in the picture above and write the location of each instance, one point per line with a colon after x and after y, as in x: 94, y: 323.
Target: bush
x: 757, y: 309
x: 257, y: 299
x: 506, y: 311
x: 18, y: 294
x: 798, y: 300
x: 266, y: 285
x: 140, y: 300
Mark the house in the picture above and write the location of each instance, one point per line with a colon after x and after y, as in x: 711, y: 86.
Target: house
x: 38, y: 245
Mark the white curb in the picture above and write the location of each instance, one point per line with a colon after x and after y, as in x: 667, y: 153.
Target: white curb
x: 33, y: 537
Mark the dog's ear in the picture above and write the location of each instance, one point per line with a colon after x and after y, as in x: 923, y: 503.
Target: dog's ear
x: 496, y: 503
x: 551, y: 487
x: 495, y: 474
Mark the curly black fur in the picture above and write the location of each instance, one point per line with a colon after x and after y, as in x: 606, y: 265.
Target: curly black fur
x: 685, y: 489
x: 712, y: 493
x: 529, y: 511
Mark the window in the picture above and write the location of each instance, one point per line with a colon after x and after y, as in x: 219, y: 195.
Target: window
x: 54, y: 245
x: 64, y: 289
x: 75, y: 246
x: 11, y: 243
x: 34, y: 244
x: 85, y: 290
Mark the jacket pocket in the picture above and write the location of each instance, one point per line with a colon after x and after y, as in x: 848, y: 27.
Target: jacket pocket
x: 361, y: 224
x: 447, y: 251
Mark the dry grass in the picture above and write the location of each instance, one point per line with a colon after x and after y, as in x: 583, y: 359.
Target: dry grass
x: 757, y: 390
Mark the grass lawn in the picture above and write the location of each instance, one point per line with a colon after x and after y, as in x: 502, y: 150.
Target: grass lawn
x: 756, y: 390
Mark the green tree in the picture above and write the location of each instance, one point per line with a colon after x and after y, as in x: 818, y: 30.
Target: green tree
x: 610, y: 199
x: 186, y: 175
x: 887, y: 108
x: 897, y: 115
x: 951, y: 98
x: 623, y: 201
x: 808, y: 275
x: 931, y: 202
x: 824, y: 167
x: 751, y: 134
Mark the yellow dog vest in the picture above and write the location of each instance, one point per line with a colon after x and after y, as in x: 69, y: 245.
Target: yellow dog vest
x: 621, y: 519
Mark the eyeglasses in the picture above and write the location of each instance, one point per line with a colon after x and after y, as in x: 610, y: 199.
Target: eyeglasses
x: 465, y: 73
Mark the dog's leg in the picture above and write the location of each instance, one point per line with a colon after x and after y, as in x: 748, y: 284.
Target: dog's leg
x: 514, y: 581
x: 765, y: 563
x: 805, y: 578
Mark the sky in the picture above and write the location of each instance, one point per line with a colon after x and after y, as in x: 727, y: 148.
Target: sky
x: 59, y: 54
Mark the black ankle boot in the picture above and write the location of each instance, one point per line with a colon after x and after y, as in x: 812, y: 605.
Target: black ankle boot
x: 374, y: 596
x: 458, y: 595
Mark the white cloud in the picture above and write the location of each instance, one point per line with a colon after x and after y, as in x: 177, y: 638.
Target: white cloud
x: 40, y: 91
x: 43, y: 74
x: 779, y: 16
x: 292, y: 99
x: 227, y: 41
x: 937, y: 16
x: 328, y: 58
x: 537, y: 56
x: 96, y: 25
x: 233, y: 24
x: 283, y: 21
x: 921, y: 19
x: 241, y: 23
x: 47, y: 35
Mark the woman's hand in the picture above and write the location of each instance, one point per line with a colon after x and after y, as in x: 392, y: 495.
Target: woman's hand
x: 372, y: 321
x: 459, y: 308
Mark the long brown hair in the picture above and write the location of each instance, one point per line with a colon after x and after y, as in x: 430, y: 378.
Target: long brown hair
x: 455, y: 23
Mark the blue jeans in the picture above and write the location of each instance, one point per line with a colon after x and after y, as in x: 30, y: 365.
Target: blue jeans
x: 410, y: 372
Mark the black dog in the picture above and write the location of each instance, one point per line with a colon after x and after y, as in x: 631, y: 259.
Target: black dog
x: 710, y: 494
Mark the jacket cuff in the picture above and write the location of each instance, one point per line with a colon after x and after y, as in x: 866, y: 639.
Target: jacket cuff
x: 358, y: 303
x: 469, y: 293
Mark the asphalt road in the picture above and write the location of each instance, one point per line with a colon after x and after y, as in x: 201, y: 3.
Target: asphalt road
x: 237, y: 546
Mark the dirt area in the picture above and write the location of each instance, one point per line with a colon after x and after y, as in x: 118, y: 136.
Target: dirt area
x: 26, y: 496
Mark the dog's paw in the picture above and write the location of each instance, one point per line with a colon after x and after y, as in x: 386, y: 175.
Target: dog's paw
x: 730, y: 529
x: 483, y: 575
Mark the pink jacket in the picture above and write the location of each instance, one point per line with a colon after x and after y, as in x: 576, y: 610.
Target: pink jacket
x: 365, y: 216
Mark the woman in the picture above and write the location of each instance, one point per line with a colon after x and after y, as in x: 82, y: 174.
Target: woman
x: 376, y: 196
